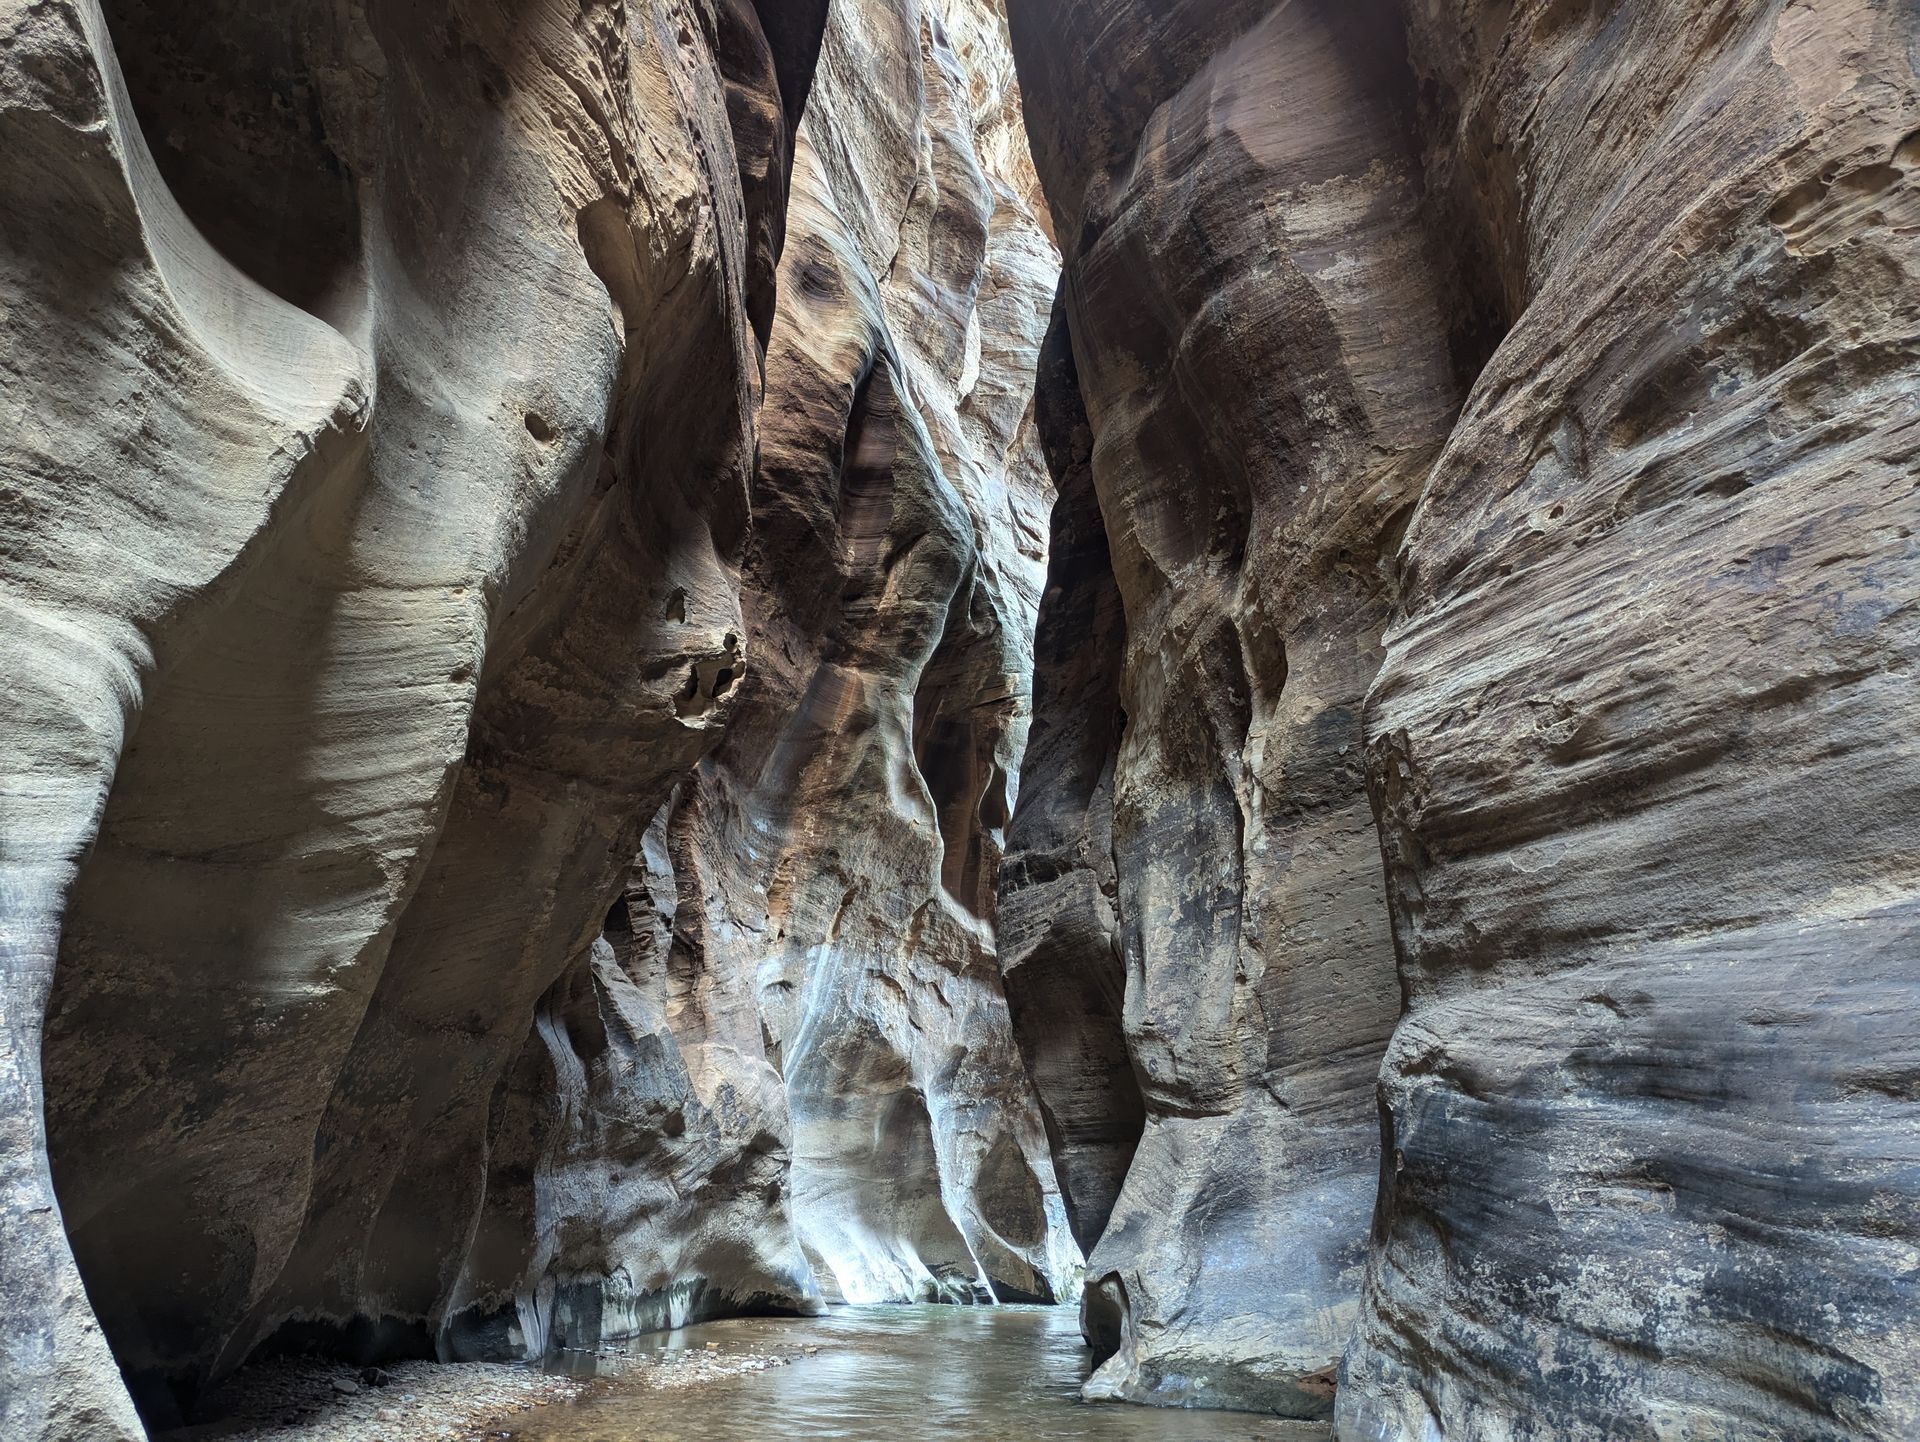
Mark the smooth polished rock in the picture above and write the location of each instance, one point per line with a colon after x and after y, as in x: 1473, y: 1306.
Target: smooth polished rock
x: 352, y: 479
x: 842, y: 846
x: 1264, y: 334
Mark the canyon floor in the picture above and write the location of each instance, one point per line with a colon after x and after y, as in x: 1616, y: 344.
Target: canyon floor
x: 858, y: 1374
x: 311, y: 1401
x: 1246, y: 665
x: 880, y: 1374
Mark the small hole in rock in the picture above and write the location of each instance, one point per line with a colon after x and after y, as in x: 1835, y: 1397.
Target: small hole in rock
x: 538, y: 427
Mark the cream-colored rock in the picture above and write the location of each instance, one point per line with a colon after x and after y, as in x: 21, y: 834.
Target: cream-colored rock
x: 842, y: 845
x: 644, y: 1130
x: 368, y: 570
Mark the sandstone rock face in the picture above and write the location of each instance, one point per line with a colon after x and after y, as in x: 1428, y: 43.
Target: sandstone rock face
x: 1267, y: 363
x: 644, y: 1131
x: 524, y: 553
x: 1641, y: 747
x: 1059, y: 943
x: 842, y: 846
x: 379, y: 394
x: 377, y: 547
x: 1624, y: 295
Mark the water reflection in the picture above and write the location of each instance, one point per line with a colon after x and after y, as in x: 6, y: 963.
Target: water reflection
x: 891, y: 1374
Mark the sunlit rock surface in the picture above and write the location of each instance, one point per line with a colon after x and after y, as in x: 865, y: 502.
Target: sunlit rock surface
x: 841, y: 848
x: 379, y: 392
x: 645, y: 1131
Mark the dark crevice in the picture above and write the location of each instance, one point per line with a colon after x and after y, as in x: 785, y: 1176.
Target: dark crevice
x: 228, y: 99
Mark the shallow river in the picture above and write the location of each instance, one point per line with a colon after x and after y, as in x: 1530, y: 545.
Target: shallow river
x: 888, y: 1374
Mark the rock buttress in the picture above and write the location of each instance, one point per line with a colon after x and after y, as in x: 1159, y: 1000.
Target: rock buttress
x: 1634, y: 745
x: 1262, y: 335
x: 341, y: 530
x: 841, y: 848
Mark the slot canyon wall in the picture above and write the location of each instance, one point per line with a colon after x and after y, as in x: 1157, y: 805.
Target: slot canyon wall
x: 836, y: 857
x: 1059, y: 953
x: 1268, y: 365
x: 410, y: 475
x: 617, y: 715
x: 1502, y: 422
x: 343, y: 523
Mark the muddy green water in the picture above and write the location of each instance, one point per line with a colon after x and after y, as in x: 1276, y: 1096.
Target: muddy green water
x: 888, y: 1374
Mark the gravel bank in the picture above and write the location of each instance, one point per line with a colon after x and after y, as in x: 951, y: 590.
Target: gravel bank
x: 300, y: 1401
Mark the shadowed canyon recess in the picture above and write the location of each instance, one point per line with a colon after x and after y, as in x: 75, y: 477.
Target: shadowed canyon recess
x: 1248, y: 664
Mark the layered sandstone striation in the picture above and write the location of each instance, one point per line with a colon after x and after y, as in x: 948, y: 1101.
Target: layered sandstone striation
x: 385, y: 547
x: 379, y: 395
x: 557, y: 776
x: 1059, y: 948
x: 1268, y: 362
x: 1641, y: 749
x: 1623, y: 297
x: 841, y: 847
x: 703, y: 1112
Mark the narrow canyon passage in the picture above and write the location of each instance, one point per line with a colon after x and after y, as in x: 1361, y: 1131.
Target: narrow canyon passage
x: 1154, y: 719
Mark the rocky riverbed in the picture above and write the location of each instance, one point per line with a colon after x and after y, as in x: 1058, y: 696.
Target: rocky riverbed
x: 302, y: 1401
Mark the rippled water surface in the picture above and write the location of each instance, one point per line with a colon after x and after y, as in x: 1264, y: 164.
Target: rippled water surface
x: 890, y: 1374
